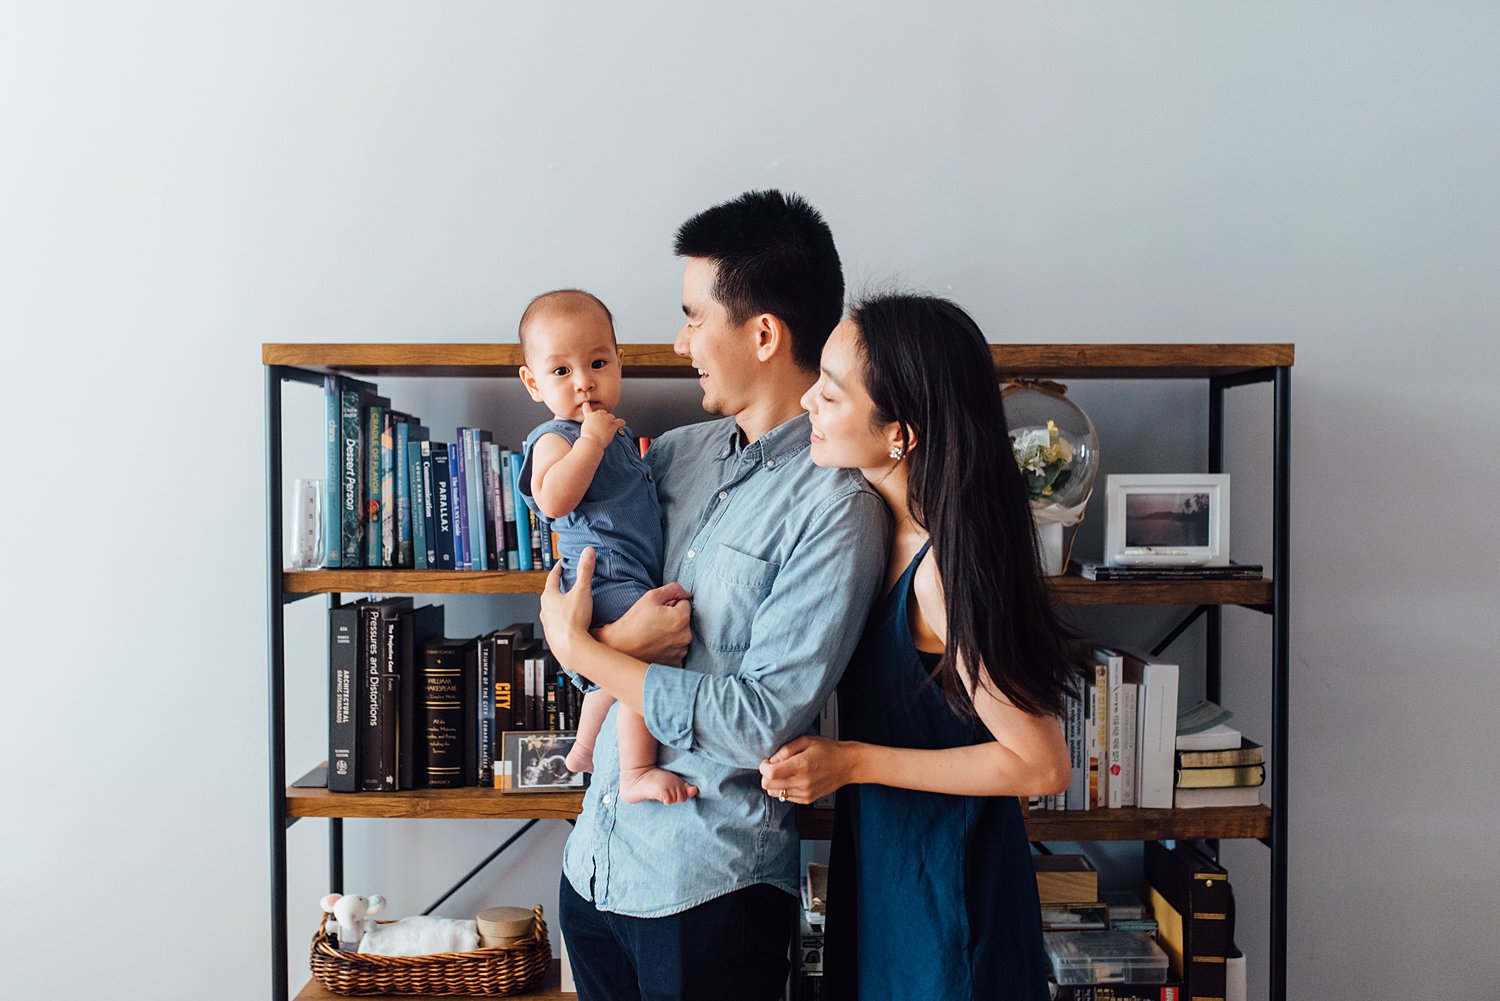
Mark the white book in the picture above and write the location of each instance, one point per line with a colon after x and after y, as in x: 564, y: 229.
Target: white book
x: 1128, y: 761
x: 1110, y: 782
x: 1216, y: 738
x: 1093, y: 754
x: 1187, y: 799
x: 1155, y: 730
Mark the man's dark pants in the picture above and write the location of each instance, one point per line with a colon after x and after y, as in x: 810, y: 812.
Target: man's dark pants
x: 732, y: 948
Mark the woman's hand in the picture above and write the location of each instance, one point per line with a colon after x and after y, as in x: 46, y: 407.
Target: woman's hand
x: 566, y: 617
x: 809, y: 768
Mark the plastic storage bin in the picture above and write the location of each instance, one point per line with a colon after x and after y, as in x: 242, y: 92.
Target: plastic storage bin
x: 1105, y: 957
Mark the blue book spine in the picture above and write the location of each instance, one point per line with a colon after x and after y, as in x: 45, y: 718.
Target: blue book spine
x: 415, y: 505
x: 523, y: 526
x: 403, y: 495
x: 474, y: 485
x: 457, y: 492
x: 442, y: 508
x: 508, y: 497
x: 333, y: 521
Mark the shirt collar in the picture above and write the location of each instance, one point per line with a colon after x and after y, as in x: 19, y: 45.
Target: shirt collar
x: 775, y: 446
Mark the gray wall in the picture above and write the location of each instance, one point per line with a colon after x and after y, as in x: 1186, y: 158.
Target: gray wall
x: 181, y: 182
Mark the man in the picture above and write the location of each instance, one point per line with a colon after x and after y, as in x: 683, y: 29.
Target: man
x: 782, y: 560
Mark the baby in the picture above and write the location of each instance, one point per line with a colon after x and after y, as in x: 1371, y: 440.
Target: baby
x: 584, y: 473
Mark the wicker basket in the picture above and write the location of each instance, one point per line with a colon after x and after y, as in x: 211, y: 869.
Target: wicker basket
x: 482, y: 972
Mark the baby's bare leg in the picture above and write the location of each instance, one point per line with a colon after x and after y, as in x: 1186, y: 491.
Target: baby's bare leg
x: 640, y: 779
x: 595, y: 707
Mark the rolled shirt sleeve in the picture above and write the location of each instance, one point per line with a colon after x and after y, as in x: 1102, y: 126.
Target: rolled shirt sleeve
x: 801, y: 638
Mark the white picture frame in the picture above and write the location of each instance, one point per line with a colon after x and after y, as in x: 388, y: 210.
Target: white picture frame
x: 1166, y: 519
x: 532, y: 761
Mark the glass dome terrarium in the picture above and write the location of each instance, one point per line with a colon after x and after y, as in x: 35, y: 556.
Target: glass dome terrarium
x: 1057, y: 450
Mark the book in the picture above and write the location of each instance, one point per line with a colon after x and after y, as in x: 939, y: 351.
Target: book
x: 489, y: 489
x: 471, y: 472
x: 1111, y: 786
x: 495, y: 505
x: 1108, y: 571
x: 416, y: 628
x: 1171, y: 991
x: 459, y: 492
x: 417, y: 505
x: 409, y: 435
x: 1203, y: 715
x: 441, y: 708
x: 333, y: 549
x: 523, y: 521
x: 508, y: 498
x: 374, y: 420
x: 1248, y: 753
x: 1190, y: 899
x: 484, y: 693
x: 1078, y: 782
x: 1216, y: 778
x: 1216, y: 738
x: 1187, y: 799
x: 442, y: 509
x: 349, y: 498
x: 345, y: 697
x: 429, y: 519
x: 377, y: 721
x: 1155, y: 728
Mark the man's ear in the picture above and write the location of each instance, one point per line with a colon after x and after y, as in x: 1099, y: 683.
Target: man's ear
x: 529, y: 381
x: 771, y: 337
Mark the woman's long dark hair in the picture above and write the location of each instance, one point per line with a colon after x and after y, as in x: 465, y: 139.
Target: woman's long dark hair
x: 928, y: 368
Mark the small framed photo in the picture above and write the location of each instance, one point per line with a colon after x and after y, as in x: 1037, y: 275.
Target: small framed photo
x: 1169, y: 519
x: 536, y: 761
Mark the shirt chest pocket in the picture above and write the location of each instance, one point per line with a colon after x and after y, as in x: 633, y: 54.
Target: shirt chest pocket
x: 727, y: 596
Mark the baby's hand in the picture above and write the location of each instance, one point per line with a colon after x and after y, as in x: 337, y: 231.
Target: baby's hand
x: 599, y: 425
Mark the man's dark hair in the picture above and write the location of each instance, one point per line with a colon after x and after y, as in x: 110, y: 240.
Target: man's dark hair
x: 775, y: 254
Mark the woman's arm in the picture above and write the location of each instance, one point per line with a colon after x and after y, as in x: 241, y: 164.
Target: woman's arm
x: 1029, y: 756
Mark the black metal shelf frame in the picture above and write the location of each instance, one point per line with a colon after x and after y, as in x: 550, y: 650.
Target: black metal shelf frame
x: 1279, y: 611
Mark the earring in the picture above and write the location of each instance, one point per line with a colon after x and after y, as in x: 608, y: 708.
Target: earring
x: 897, y: 452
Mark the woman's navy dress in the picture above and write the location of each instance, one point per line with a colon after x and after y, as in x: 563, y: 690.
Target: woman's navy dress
x: 931, y: 897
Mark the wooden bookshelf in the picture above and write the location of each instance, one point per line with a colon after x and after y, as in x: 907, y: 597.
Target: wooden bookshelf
x: 548, y: 989
x: 1224, y: 822
x: 1051, y: 361
x: 1067, y: 590
x: 434, y: 804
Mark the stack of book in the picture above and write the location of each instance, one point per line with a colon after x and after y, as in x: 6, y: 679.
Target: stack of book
x: 1194, y: 909
x: 1109, y: 571
x: 1216, y: 764
x: 398, y: 499
x: 411, y: 709
x: 1121, y: 728
x: 1099, y: 951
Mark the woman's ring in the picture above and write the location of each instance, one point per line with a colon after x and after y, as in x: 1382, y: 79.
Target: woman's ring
x: 781, y: 795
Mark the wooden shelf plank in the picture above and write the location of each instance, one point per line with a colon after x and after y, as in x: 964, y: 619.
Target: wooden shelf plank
x: 369, y: 581
x: 549, y: 989
x: 1069, y: 590
x: 1089, y: 361
x: 470, y: 804
x: 1109, y: 825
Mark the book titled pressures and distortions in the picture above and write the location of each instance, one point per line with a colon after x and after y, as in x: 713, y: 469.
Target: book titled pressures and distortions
x: 412, y: 709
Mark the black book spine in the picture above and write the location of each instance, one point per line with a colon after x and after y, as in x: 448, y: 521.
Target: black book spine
x: 484, y: 773
x: 369, y: 704
x: 440, y: 687
x: 442, y: 506
x: 469, y: 720
x: 551, y: 716
x: 343, y: 698
x: 417, y: 629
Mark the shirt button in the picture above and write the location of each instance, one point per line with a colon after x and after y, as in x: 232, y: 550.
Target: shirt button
x: 723, y: 495
x: 692, y: 553
x: 606, y: 799
x: 770, y: 463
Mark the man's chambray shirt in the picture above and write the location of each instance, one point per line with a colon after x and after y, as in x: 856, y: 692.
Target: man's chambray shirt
x: 783, y: 560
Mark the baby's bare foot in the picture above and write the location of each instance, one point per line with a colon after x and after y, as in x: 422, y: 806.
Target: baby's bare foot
x: 580, y: 759
x: 643, y: 784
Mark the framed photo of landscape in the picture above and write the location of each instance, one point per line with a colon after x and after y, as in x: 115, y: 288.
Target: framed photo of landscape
x: 1167, y: 519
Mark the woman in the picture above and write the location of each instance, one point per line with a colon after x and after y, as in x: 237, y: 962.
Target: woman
x: 949, y: 707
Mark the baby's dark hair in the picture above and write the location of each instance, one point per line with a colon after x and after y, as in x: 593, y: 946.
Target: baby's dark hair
x: 563, y: 300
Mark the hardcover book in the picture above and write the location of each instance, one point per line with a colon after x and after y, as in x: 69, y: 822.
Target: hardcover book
x: 378, y: 726
x: 1191, y: 901
x: 440, y: 690
x: 1248, y: 753
x: 415, y: 629
x: 508, y: 499
x: 442, y: 508
x: 346, y: 697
